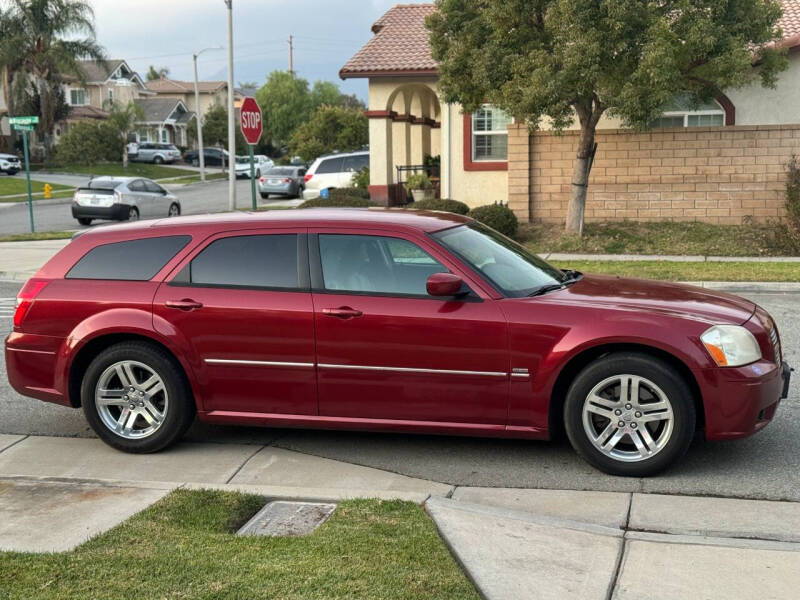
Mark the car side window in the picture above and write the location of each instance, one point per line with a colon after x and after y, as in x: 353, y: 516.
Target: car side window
x: 330, y: 165
x: 356, y: 163
x: 257, y: 261
x: 113, y: 261
x: 152, y: 187
x: 136, y: 186
x: 375, y: 264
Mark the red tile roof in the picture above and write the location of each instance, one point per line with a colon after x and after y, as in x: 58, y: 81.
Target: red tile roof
x: 400, y: 44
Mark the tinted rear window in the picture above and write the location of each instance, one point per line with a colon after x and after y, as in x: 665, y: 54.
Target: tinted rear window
x: 331, y: 165
x: 103, y: 185
x: 263, y: 261
x: 136, y: 260
x: 283, y: 171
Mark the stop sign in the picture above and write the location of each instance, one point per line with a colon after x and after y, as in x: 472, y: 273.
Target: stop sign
x: 251, y: 124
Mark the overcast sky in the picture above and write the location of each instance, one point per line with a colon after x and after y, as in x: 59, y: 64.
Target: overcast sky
x: 166, y: 32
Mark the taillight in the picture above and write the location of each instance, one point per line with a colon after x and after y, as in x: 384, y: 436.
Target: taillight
x: 26, y: 297
x: 262, y: 180
x: 287, y: 180
x: 117, y: 198
x: 308, y: 176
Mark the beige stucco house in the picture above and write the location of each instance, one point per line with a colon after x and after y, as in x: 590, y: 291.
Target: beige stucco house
x: 210, y: 93
x: 720, y: 162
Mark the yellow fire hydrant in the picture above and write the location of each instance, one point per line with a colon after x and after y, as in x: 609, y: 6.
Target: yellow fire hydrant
x: 48, y: 190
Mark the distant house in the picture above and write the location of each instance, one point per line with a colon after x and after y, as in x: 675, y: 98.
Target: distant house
x: 720, y: 162
x: 163, y: 120
x: 211, y: 93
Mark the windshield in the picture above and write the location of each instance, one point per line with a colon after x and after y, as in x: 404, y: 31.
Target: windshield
x: 511, y: 268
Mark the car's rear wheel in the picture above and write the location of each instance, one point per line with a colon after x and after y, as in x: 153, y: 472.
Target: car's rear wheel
x: 158, y: 160
x: 133, y: 214
x: 630, y: 414
x: 136, y: 398
x: 85, y: 221
x: 195, y: 162
x: 264, y: 196
x: 174, y: 210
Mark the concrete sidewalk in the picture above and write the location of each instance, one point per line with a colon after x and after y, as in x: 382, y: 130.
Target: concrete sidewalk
x: 56, y: 493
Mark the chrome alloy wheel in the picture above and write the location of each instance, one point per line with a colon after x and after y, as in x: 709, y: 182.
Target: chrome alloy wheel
x: 131, y: 399
x: 628, y: 418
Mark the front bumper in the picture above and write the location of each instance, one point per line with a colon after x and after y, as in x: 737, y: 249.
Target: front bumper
x: 283, y: 188
x: 115, y: 212
x: 738, y: 402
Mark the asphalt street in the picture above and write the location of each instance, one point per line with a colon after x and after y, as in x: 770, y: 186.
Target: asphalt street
x: 211, y: 197
x: 765, y: 466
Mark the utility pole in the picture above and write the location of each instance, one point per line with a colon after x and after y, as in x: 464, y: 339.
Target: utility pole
x: 291, y: 53
x: 231, y: 115
x: 198, y: 117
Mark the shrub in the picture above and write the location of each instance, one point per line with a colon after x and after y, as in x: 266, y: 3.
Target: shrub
x: 418, y: 181
x: 345, y: 193
x: 339, y: 200
x: 497, y: 216
x: 793, y: 192
x: 89, y: 143
x: 361, y: 179
x: 453, y: 206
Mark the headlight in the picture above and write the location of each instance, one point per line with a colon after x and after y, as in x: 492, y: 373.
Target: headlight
x: 731, y: 345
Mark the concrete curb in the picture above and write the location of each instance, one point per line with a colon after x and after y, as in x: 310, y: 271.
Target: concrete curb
x: 36, y: 203
x: 720, y: 542
x: 667, y: 258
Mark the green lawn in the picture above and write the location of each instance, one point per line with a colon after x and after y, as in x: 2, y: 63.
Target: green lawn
x: 10, y: 186
x: 689, y: 271
x: 115, y: 169
x: 43, y: 235
x: 183, y: 547
x: 693, y: 238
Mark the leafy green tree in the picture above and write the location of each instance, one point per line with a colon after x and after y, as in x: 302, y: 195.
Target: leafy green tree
x: 155, y: 73
x: 122, y: 118
x: 285, y: 103
x: 10, y: 63
x: 557, y: 60
x: 51, y: 38
x: 325, y: 92
x: 89, y: 143
x: 330, y: 128
x: 215, y: 129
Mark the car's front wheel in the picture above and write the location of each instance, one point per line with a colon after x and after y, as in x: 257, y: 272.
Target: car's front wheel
x: 136, y: 398
x: 158, y: 160
x: 174, y: 210
x: 630, y: 414
x: 85, y: 221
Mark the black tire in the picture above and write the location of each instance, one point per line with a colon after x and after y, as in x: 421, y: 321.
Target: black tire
x: 84, y: 221
x: 158, y: 160
x: 177, y: 209
x: 264, y: 196
x: 133, y: 214
x: 673, y: 385
x: 179, y: 414
x: 195, y: 162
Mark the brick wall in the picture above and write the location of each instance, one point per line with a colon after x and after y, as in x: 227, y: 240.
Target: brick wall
x: 718, y: 174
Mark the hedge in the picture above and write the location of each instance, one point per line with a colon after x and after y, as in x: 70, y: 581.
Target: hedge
x: 497, y: 216
x: 443, y: 204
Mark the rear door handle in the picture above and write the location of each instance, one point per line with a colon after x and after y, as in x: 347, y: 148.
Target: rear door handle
x: 343, y: 312
x: 186, y: 304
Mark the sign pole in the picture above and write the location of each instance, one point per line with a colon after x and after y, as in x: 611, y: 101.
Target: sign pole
x: 28, y: 177
x: 252, y: 176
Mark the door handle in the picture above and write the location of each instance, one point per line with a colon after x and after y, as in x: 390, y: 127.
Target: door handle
x: 343, y: 312
x: 186, y: 304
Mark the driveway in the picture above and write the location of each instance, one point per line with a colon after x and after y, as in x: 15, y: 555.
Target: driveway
x: 766, y: 466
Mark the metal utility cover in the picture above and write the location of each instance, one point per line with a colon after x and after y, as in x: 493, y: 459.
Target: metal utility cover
x: 288, y: 519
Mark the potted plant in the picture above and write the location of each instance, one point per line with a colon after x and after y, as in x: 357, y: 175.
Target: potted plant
x: 420, y: 187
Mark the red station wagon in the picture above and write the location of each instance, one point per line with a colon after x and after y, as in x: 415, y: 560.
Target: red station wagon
x: 389, y: 320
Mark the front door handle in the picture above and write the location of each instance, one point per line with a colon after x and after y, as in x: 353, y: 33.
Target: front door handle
x: 343, y: 312
x: 186, y: 304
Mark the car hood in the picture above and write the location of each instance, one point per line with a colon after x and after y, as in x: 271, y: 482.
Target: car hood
x: 656, y: 296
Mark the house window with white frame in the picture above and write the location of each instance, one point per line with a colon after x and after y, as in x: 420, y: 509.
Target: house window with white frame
x: 164, y: 136
x: 111, y: 95
x: 78, y: 97
x: 681, y: 112
x: 490, y: 134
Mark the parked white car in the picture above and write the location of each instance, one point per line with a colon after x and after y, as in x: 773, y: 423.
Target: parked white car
x: 123, y: 199
x: 261, y: 164
x: 10, y: 164
x: 333, y: 171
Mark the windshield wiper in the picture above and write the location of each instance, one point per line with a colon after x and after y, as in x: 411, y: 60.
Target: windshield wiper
x: 552, y: 287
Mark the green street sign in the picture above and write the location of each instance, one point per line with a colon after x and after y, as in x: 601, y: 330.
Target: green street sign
x: 33, y: 120
x: 23, y: 127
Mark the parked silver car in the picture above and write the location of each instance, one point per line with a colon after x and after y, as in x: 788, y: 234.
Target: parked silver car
x: 152, y: 152
x: 282, y: 181
x: 123, y: 199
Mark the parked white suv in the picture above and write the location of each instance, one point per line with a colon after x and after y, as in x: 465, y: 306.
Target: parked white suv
x: 334, y: 171
x: 10, y: 164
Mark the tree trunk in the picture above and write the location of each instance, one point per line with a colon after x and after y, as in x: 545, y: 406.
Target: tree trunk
x: 125, y: 153
x: 580, y: 180
x: 46, y: 123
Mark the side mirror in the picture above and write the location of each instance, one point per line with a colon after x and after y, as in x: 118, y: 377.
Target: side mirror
x: 444, y: 284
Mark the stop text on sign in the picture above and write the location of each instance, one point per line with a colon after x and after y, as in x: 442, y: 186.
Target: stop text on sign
x: 251, y: 120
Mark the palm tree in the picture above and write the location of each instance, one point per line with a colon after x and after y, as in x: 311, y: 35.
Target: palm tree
x: 51, y: 39
x: 9, y: 65
x: 123, y: 118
